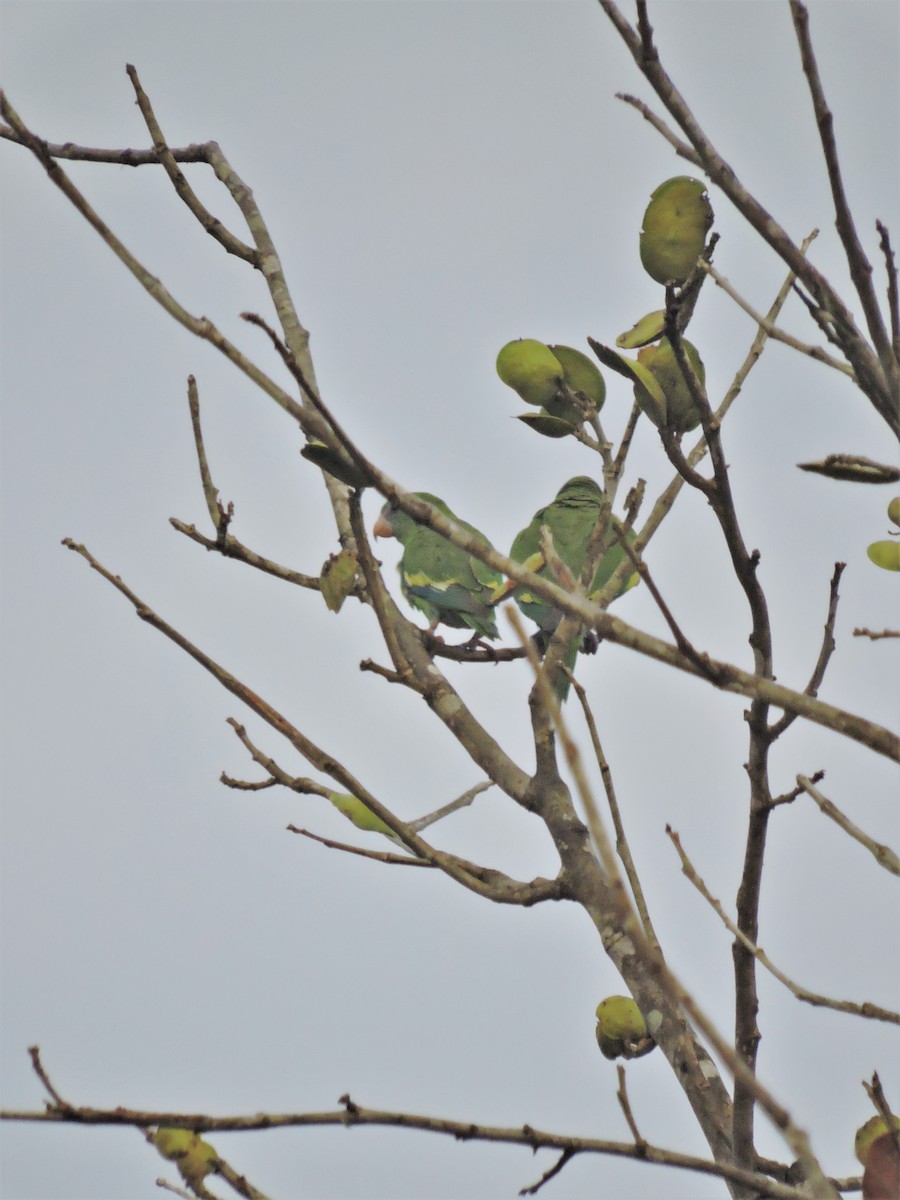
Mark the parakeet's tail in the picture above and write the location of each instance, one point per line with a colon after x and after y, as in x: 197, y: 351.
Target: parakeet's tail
x: 562, y: 683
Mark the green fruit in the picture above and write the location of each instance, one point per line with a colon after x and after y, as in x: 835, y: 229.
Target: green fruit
x: 531, y: 369
x: 582, y: 375
x: 680, y: 411
x: 648, y: 329
x: 549, y: 426
x: 894, y: 510
x: 172, y: 1143
x: 676, y: 223
x: 342, y: 467
x: 885, y: 555
x: 361, y: 816
x: 620, y: 1017
x: 873, y: 1129
x: 621, y: 1029
x: 337, y: 579
x: 194, y: 1158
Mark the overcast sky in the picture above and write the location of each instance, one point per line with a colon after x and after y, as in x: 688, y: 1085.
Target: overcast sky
x: 439, y: 178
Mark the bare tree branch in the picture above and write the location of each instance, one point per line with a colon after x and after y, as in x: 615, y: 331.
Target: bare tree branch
x: 860, y: 268
x: 883, y: 855
x: 211, y: 224
x: 778, y: 335
x: 865, y: 1009
x: 352, y: 1114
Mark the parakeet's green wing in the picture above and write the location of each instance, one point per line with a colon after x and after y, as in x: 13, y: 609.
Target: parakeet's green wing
x: 571, y: 519
x: 442, y: 580
x: 608, y: 564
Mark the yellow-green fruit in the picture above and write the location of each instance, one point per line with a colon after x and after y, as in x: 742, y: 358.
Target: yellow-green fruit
x: 648, y: 329
x: 674, y: 231
x: 681, y: 412
x: 873, y: 1129
x: 582, y: 375
x: 621, y: 1029
x: 194, y: 1158
x: 885, y: 555
x: 894, y: 510
x: 620, y: 1017
x: 531, y: 369
x: 172, y: 1143
x: 338, y: 578
x: 360, y: 814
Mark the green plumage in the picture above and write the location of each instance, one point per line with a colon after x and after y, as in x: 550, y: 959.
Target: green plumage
x: 571, y: 519
x: 439, y: 579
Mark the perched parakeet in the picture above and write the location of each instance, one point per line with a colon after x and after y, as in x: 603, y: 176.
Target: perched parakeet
x: 571, y: 519
x: 445, y: 583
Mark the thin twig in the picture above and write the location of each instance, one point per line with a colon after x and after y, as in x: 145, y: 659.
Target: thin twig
x: 772, y: 331
x: 777, y: 728
x: 232, y: 547
x: 872, y: 1011
x: 860, y: 268
x: 211, y: 224
x: 218, y: 515
x: 122, y: 158
x: 445, y: 810
x: 893, y: 294
x: 382, y: 856
x: 625, y: 1105
x: 883, y: 855
x: 484, y: 881
x: 623, y: 849
x: 682, y: 149
x: 550, y: 1173
x: 35, y: 1053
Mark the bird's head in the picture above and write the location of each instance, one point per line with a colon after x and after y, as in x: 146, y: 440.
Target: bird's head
x: 384, y: 526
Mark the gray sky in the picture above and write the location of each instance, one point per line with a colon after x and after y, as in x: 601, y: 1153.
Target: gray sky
x: 439, y: 179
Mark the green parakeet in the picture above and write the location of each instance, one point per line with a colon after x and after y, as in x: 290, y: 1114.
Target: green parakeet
x: 571, y: 519
x: 444, y: 582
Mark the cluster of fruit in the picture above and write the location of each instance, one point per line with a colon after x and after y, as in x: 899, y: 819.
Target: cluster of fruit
x: 566, y: 386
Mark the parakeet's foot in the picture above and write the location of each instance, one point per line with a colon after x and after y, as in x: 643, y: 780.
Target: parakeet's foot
x: 430, y: 639
x: 476, y: 642
x: 590, y: 642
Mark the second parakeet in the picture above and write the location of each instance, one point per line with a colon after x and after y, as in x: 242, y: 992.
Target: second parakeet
x: 444, y: 582
x: 571, y: 519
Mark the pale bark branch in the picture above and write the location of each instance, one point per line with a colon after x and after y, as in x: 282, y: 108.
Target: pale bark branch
x: 858, y: 1009
x: 883, y: 855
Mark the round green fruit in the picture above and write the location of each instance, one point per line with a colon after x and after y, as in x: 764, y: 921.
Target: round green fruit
x: 681, y: 411
x: 531, y: 369
x: 620, y: 1017
x: 885, y: 555
x: 648, y: 329
x: 676, y: 223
